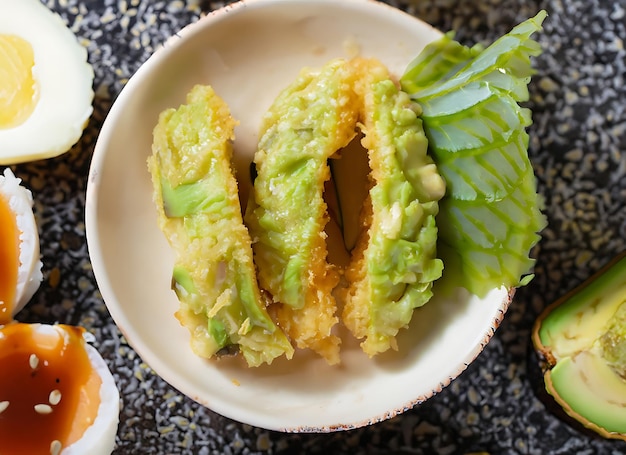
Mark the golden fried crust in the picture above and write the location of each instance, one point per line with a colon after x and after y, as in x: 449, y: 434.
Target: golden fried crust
x: 307, y: 123
x: 393, y: 263
x: 311, y: 327
x: 355, y: 314
x: 392, y: 266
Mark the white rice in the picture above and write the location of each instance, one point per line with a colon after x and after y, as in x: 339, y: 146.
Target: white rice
x: 21, y: 204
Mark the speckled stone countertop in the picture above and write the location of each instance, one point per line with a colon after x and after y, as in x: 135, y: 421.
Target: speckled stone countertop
x: 578, y: 148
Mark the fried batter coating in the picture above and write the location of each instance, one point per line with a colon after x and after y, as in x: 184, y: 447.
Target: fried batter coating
x: 197, y: 201
x: 307, y: 123
x: 394, y: 262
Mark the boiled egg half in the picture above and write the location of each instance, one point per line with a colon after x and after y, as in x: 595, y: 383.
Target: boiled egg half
x: 57, y: 395
x: 20, y: 264
x: 46, y: 83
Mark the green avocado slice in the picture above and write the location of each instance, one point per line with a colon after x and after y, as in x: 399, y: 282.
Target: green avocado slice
x: 301, y: 130
x: 582, y: 341
x: 196, y: 197
x: 394, y: 262
x: 307, y: 123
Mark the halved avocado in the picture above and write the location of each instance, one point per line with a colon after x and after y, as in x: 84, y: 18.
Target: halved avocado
x: 581, y: 340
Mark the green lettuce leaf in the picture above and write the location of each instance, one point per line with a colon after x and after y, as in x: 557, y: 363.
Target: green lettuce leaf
x: 491, y: 217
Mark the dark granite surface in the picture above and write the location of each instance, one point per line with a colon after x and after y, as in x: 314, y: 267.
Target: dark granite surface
x: 578, y: 148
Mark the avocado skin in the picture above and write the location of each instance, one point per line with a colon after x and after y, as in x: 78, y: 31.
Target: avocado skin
x: 536, y: 370
x: 581, y: 371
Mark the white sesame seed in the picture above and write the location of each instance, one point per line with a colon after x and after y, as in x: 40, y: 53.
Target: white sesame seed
x: 55, y: 397
x: 33, y: 361
x: 3, y: 406
x: 43, y: 409
x: 89, y: 337
x: 55, y: 447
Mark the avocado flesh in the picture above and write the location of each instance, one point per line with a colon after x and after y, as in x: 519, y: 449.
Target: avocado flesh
x: 300, y: 131
x: 613, y: 341
x: 583, y: 338
x: 394, y: 262
x: 190, y: 198
x: 197, y: 201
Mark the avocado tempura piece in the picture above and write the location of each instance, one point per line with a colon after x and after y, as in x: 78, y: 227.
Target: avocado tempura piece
x: 308, y: 122
x: 197, y: 201
x: 491, y: 217
x: 394, y: 263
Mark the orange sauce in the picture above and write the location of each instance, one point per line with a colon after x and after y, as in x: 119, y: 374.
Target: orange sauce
x: 49, y: 390
x: 9, y: 260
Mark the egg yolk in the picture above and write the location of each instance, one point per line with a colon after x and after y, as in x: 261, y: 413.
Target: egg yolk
x: 18, y: 88
x: 49, y: 391
x: 9, y: 259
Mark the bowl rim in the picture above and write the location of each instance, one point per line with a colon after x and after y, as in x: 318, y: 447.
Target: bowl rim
x: 174, y: 378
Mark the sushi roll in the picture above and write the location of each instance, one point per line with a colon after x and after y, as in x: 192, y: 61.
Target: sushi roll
x: 57, y: 395
x: 197, y: 201
x: 20, y: 263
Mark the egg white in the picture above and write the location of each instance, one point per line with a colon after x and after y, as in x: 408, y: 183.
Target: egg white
x: 65, y: 81
x: 99, y: 438
x: 29, y: 274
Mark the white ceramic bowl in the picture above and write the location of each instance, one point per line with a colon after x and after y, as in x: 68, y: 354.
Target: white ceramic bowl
x: 248, y: 52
